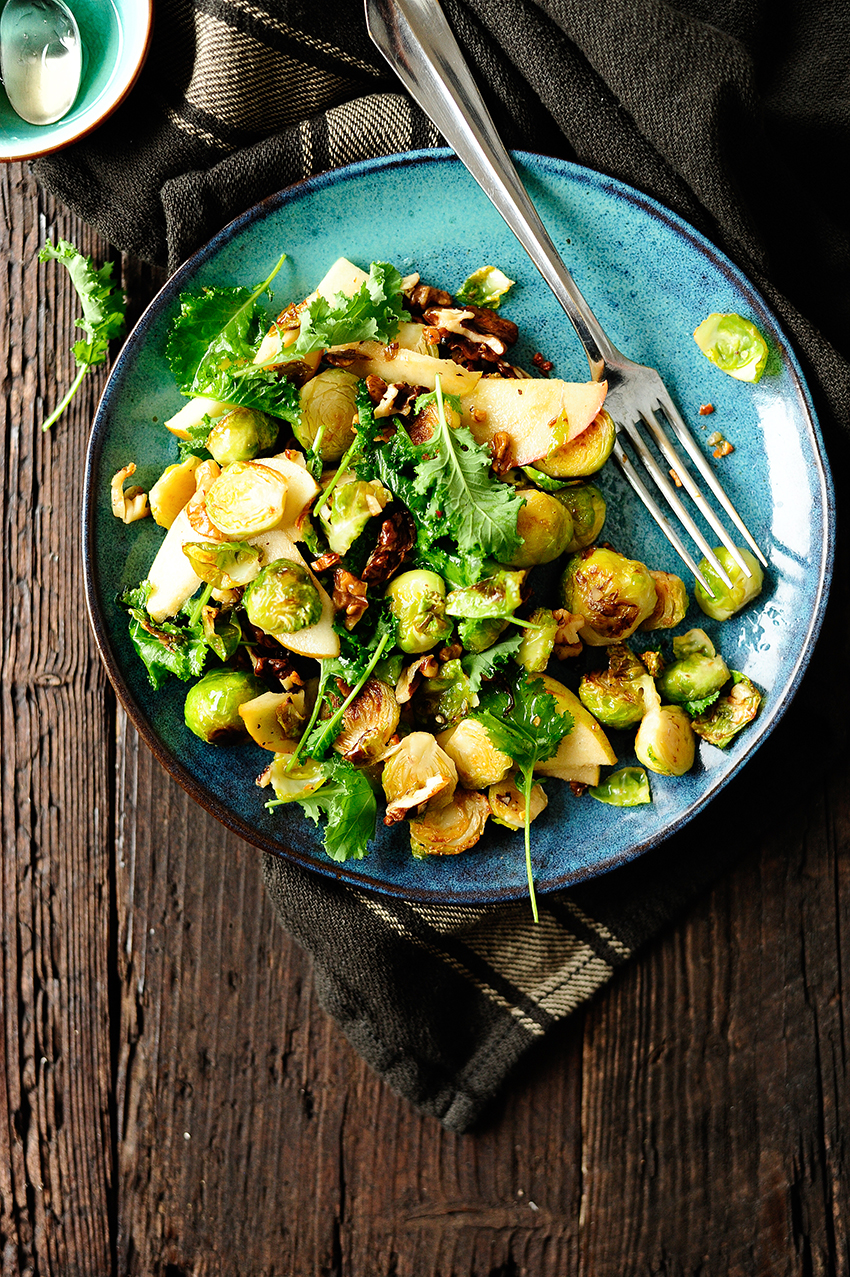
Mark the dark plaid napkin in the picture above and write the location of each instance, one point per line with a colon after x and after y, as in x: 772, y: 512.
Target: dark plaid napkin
x: 736, y: 114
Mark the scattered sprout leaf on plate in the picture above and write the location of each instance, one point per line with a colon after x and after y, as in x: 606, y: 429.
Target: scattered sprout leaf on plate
x: 734, y: 345
x: 485, y: 287
x: 628, y: 787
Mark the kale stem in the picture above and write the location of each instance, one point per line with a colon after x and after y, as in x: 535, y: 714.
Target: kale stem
x: 331, y: 725
x: 203, y: 598
x: 528, y: 782
x: 74, y: 387
x: 325, y: 496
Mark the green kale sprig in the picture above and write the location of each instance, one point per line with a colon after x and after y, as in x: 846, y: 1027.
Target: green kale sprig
x: 524, y: 722
x: 103, y: 317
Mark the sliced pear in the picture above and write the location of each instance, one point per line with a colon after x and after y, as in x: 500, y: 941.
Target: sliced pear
x: 262, y: 723
x: 172, y: 490
x: 536, y: 415
x: 193, y: 413
x: 586, y: 748
x: 171, y: 575
x: 410, y: 367
x: 301, y: 488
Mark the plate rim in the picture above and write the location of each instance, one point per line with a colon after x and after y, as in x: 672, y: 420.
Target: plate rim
x: 331, y: 869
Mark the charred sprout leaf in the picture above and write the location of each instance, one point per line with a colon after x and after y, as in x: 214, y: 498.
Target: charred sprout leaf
x: 354, y: 503
x: 538, y: 641
x: 480, y: 666
x: 221, y: 633
x: 103, y: 314
x: 628, y: 787
x: 225, y: 565
x: 348, y: 803
x: 734, y: 345
x: 453, y: 472
x: 729, y: 714
x: 496, y: 597
x: 446, y: 698
x: 616, y: 696
x: 485, y: 287
x: 525, y: 724
x: 320, y: 734
x: 164, y: 647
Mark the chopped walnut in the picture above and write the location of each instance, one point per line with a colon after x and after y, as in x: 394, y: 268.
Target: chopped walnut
x: 327, y: 560
x: 349, y: 596
x: 578, y: 787
x: 128, y: 504
x: 567, y: 641
x: 396, y: 539
x: 500, y: 448
x: 423, y: 667
x: 450, y: 653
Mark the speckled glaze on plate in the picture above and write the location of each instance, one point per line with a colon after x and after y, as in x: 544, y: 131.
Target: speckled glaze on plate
x: 650, y: 279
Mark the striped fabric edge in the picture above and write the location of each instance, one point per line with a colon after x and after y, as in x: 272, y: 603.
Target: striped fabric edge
x: 537, y: 972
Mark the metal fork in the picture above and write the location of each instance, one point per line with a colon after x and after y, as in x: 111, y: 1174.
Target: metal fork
x: 416, y: 40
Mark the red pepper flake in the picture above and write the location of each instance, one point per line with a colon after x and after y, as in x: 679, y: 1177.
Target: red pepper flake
x: 543, y: 365
x: 705, y: 409
x: 675, y: 478
x: 723, y: 449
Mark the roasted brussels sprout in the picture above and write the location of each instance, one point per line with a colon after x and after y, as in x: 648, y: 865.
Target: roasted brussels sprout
x: 496, y: 597
x: 211, y: 708
x: 368, y: 724
x: 613, y: 594
x: 240, y: 435
x: 583, y: 455
x: 282, y: 598
x: 616, y: 697
x: 586, y: 505
x: 665, y: 741
x: 328, y: 403
x: 693, y: 677
x: 418, y: 602
x: 247, y: 498
x: 538, y: 641
x: 451, y: 829
x: 507, y: 804
x: 350, y: 507
x: 477, y: 636
x: 225, y: 565
x: 734, y: 345
x: 727, y: 716
x: 476, y: 758
x: 544, y: 526
x: 628, y: 787
x: 671, y: 602
x: 726, y: 602
x: 446, y: 697
x: 417, y: 771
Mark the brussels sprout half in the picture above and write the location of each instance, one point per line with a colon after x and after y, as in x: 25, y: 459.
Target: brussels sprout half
x: 240, y: 435
x: 282, y: 598
x: 734, y: 345
x: 613, y: 594
x: 544, y: 527
x: 418, y: 602
x: 211, y: 708
x: 726, y: 602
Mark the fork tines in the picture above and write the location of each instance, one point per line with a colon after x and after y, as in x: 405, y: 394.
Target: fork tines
x: 627, y: 427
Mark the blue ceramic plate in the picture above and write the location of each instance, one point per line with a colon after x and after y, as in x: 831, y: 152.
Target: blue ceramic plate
x: 651, y: 279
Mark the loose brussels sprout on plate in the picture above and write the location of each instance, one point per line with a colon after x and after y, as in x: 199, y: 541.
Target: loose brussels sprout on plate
x: 418, y: 602
x: 613, y: 594
x: 693, y: 678
x: 211, y: 708
x: 726, y: 602
x: 240, y: 435
x: 282, y: 598
x: 328, y: 404
x: 450, y: 829
x: 544, y: 527
x: 665, y: 741
x: 734, y: 345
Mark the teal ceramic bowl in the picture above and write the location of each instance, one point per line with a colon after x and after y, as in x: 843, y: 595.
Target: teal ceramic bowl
x: 651, y: 279
x: 116, y: 36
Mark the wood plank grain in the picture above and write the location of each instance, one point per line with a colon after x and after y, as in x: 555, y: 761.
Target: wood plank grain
x: 55, y: 724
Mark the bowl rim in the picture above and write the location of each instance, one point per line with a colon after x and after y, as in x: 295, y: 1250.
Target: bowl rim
x: 24, y: 151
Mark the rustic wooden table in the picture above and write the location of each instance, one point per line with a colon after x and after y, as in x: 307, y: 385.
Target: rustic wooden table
x: 174, y: 1102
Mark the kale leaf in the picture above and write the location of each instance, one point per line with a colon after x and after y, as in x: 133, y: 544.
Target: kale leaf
x: 103, y: 317
x: 348, y: 802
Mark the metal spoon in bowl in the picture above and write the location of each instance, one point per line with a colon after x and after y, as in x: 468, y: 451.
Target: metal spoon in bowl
x: 41, y: 58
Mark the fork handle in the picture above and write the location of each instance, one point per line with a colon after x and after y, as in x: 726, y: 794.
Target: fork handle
x: 416, y: 40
